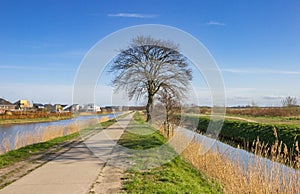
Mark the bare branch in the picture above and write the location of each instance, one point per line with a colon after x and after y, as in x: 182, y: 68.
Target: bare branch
x: 149, y: 66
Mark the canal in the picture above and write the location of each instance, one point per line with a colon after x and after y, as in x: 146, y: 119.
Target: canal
x: 13, y: 136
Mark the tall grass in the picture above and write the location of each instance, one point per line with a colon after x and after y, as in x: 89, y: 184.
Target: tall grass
x: 33, y: 115
x: 43, y: 134
x: 278, y: 151
x: 256, y: 177
x: 257, y: 138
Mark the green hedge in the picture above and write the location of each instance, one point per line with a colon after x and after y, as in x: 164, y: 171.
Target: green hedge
x: 242, y: 131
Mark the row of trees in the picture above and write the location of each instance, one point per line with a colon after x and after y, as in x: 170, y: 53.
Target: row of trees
x: 289, y: 102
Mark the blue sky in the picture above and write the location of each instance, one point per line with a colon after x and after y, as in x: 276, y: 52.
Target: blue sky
x: 255, y: 43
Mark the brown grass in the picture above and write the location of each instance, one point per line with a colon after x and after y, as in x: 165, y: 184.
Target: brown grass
x: 104, y: 119
x: 258, y: 178
x: 270, y: 111
x: 43, y: 134
x: 33, y: 115
x: 251, y: 111
x: 237, y: 180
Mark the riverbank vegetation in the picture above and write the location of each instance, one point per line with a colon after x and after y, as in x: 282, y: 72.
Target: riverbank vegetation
x: 235, y: 174
x: 252, y: 136
x: 43, y: 134
x: 22, y: 117
x: 17, y: 163
x: 25, y: 152
x: 176, y: 176
x: 235, y: 177
x: 17, y: 117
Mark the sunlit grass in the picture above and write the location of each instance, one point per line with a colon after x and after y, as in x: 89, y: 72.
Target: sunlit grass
x: 175, y: 176
x: 236, y: 179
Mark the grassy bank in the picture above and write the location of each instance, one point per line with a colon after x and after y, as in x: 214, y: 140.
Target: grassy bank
x: 243, y: 131
x: 26, y: 152
x: 278, y: 142
x: 44, y: 118
x: 33, y: 120
x: 237, y: 177
x: 175, y: 176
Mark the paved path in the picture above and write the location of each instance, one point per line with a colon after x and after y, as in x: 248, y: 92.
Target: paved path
x: 79, y: 170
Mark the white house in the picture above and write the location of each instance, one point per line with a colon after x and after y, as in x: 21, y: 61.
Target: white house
x: 91, y: 108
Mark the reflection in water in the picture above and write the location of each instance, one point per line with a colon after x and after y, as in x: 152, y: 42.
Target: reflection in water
x: 17, y: 135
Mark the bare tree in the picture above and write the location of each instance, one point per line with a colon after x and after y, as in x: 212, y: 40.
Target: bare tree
x: 289, y: 101
x: 171, y: 102
x: 149, y: 65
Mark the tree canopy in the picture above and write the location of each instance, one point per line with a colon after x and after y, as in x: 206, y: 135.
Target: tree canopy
x: 149, y: 66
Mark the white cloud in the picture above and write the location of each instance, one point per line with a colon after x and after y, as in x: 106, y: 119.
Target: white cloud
x: 214, y: 23
x: 288, y: 72
x: 272, y: 97
x: 132, y: 15
x: 242, y: 97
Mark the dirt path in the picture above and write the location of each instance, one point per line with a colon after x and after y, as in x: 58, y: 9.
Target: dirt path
x: 240, y: 118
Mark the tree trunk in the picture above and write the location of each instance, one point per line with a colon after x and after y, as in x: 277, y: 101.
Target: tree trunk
x: 149, y: 107
x: 167, y: 121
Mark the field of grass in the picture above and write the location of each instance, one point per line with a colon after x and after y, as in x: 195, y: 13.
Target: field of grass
x: 267, y: 119
x: 250, y: 111
x: 176, y: 176
x: 265, y: 111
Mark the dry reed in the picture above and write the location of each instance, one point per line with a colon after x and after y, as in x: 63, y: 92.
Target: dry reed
x: 43, y: 134
x: 255, y: 177
x: 258, y: 178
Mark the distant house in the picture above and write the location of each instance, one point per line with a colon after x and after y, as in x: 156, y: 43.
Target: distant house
x: 57, y: 108
x: 5, y: 105
x: 72, y: 108
x: 90, y: 108
x: 38, y: 106
x: 48, y: 107
x: 113, y: 108
x: 22, y: 104
x: 64, y: 105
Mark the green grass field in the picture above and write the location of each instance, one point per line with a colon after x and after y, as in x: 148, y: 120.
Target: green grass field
x: 267, y: 119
